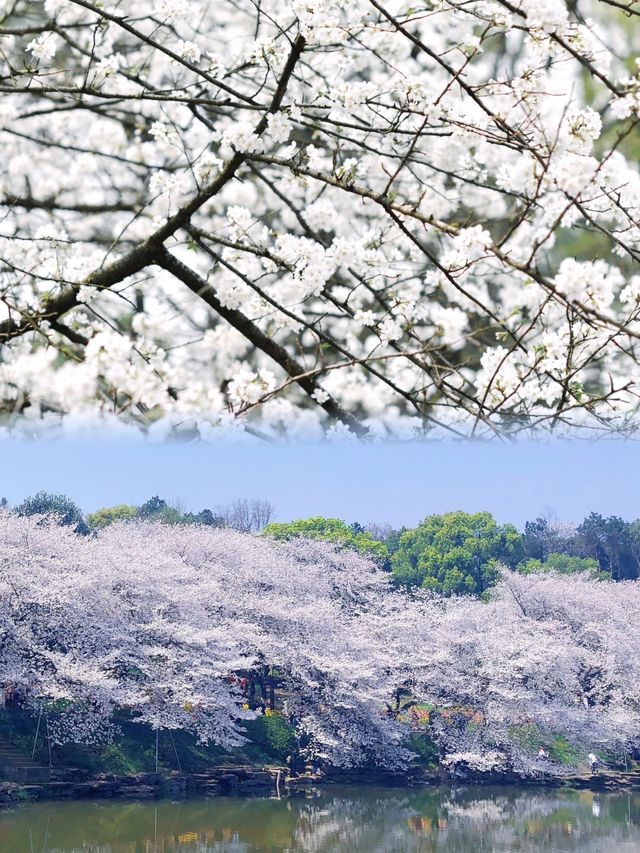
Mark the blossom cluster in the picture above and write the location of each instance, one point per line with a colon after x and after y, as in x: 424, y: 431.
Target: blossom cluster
x: 330, y: 218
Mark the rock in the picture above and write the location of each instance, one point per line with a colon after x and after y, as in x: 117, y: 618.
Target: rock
x: 228, y: 782
x: 148, y: 778
x: 58, y: 790
x: 30, y: 792
x: 139, y: 792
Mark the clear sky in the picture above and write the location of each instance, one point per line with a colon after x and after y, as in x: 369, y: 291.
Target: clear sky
x: 398, y: 483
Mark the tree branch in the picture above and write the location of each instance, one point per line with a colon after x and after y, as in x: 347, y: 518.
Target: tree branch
x: 257, y: 337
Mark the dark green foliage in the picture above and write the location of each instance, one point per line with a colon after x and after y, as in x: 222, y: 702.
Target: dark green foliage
x: 65, y: 511
x: 613, y: 543
x: 543, y: 537
x: 157, y: 509
x: 426, y: 751
x: 272, y: 739
x: 153, y: 507
x: 204, y: 517
x: 19, y: 728
x: 393, y: 540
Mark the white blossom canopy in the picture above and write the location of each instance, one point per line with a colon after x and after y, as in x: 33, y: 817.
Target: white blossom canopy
x: 549, y: 656
x: 160, y: 620
x: 312, y: 217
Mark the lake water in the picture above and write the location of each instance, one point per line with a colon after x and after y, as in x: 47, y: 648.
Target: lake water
x: 353, y: 820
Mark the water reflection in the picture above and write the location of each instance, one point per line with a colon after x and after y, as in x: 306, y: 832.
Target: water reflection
x: 337, y: 819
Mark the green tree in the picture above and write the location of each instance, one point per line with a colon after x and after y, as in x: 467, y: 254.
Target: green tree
x: 610, y: 542
x: 456, y: 553
x: 330, y: 530
x: 393, y: 539
x: 204, y: 517
x: 546, y: 536
x: 110, y: 514
x: 62, y: 508
x: 157, y: 509
x: 563, y: 564
x: 634, y: 543
x: 153, y: 507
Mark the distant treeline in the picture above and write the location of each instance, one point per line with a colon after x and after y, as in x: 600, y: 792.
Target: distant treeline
x: 454, y: 553
x: 248, y: 515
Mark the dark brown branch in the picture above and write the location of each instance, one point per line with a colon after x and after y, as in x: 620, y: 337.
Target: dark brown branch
x: 257, y: 337
x: 141, y: 256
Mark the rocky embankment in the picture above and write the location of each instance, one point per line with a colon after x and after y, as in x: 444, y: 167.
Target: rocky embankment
x: 605, y: 780
x: 273, y: 781
x: 219, y: 781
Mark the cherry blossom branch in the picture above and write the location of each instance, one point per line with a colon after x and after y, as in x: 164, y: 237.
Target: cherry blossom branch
x: 258, y: 338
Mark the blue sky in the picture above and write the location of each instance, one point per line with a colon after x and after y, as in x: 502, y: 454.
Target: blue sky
x: 398, y: 483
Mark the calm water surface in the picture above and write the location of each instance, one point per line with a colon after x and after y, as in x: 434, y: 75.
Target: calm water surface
x: 353, y: 820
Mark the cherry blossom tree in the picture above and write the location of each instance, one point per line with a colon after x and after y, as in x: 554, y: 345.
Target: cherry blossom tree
x: 549, y: 656
x: 86, y: 626
x: 162, y: 620
x: 159, y: 619
x: 342, y: 217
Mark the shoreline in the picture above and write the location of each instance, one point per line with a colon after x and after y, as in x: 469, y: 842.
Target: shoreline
x: 244, y: 781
